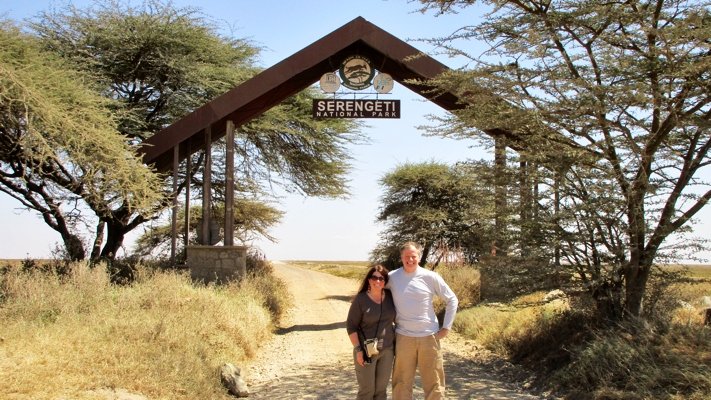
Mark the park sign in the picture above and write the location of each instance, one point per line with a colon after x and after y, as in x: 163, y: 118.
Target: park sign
x: 356, y: 108
x: 356, y: 73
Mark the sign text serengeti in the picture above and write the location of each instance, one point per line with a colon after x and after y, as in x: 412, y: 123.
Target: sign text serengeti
x: 355, y: 108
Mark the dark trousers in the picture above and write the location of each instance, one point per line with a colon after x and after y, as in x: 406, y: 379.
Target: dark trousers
x: 373, y: 378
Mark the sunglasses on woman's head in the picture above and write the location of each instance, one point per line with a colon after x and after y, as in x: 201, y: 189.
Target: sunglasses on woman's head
x: 377, y: 278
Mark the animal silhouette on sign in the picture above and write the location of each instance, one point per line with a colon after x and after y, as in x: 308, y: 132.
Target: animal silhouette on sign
x: 357, y: 72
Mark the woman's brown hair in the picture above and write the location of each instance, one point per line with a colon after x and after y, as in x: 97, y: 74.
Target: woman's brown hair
x: 365, y: 284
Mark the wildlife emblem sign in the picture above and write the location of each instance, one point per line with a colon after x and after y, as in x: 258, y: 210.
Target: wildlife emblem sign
x: 356, y: 72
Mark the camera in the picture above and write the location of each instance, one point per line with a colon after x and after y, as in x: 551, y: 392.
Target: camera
x: 371, y: 347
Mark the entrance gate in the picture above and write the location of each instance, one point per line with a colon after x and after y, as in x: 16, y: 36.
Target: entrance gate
x: 221, y: 116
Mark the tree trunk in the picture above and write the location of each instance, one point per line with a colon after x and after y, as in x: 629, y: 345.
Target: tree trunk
x: 636, y: 272
x: 499, y: 246
x: 524, y: 208
x: 96, y: 250
x: 115, y: 233
x: 119, y: 224
x: 74, y: 246
x: 635, y: 289
x: 425, y: 253
x: 608, y: 298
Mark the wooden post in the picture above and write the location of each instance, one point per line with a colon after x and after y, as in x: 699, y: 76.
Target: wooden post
x: 188, y: 175
x: 229, y: 184
x: 206, y: 188
x: 174, y: 216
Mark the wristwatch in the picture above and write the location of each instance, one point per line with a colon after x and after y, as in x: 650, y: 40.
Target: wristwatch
x: 357, y: 348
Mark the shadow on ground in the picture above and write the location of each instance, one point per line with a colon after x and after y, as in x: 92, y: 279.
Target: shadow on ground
x: 320, y: 382
x: 311, y: 328
x: 466, y: 379
x: 347, y: 299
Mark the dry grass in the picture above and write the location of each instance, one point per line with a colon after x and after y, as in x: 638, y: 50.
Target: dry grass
x: 574, y: 352
x: 689, y: 296
x: 591, y: 361
x: 698, y: 271
x: 501, y: 326
x: 345, y: 269
x: 163, y: 337
x: 641, y: 363
x: 464, y: 281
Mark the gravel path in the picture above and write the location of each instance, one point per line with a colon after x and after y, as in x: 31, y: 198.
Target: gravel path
x: 310, y: 355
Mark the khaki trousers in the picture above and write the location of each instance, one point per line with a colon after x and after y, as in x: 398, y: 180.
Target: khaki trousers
x: 373, y: 378
x: 411, y: 354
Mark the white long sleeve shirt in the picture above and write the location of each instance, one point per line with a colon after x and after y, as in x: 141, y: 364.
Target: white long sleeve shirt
x: 413, y: 294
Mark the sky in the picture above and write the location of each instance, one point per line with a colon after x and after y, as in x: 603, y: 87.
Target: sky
x: 312, y: 229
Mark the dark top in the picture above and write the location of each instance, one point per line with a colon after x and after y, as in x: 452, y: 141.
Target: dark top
x: 365, y: 313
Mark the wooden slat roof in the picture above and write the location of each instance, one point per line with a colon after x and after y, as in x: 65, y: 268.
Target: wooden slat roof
x: 292, y: 75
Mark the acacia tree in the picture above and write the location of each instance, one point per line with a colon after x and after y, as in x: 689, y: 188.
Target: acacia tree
x: 59, y: 149
x: 624, y: 89
x: 439, y: 206
x: 160, y: 63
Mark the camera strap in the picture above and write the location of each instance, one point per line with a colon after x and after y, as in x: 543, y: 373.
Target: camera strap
x: 380, y: 316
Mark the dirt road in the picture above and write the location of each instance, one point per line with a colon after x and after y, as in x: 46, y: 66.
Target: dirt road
x: 310, y: 356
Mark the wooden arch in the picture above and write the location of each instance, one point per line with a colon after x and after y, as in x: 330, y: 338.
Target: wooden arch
x: 210, y: 122
x: 292, y: 75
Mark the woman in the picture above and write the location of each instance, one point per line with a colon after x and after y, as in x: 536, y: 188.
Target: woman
x: 372, y: 316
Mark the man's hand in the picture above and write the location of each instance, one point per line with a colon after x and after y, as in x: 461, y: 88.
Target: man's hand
x: 441, y: 334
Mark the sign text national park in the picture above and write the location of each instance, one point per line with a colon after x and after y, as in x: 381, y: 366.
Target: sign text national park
x: 355, y: 108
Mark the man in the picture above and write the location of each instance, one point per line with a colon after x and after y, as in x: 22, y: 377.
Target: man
x: 417, y: 332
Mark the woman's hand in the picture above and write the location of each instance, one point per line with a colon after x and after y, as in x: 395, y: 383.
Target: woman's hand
x: 359, y: 358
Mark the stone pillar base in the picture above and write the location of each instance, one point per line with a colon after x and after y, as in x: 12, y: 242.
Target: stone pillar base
x: 217, y: 264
